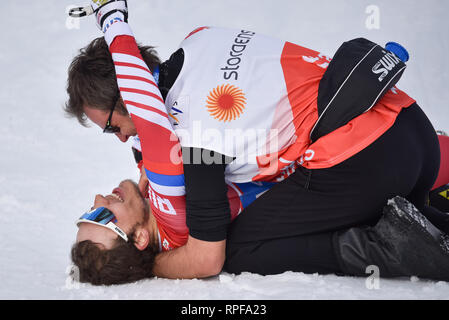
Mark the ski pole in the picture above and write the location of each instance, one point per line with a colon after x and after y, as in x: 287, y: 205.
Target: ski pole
x: 79, y: 12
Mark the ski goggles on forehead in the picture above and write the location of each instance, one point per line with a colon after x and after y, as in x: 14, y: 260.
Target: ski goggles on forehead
x: 103, y: 217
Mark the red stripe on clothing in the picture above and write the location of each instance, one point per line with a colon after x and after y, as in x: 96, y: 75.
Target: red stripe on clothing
x: 163, y: 168
x: 125, y: 44
x: 144, y: 106
x: 147, y: 93
x: 131, y: 65
x: 161, y: 149
x: 129, y: 77
x: 195, y: 31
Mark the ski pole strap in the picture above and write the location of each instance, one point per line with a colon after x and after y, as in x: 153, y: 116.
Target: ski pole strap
x: 79, y: 12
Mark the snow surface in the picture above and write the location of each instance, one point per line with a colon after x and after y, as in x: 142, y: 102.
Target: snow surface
x: 51, y: 168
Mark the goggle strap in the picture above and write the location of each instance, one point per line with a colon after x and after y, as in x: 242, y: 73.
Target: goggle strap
x: 109, y: 225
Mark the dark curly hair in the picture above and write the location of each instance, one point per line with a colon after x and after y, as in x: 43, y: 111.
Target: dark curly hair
x: 122, y: 264
x: 92, y: 79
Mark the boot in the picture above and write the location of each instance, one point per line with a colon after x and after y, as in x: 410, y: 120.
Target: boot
x: 402, y: 243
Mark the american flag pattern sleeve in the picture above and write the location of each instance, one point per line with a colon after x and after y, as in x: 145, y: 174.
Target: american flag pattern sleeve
x: 160, y: 147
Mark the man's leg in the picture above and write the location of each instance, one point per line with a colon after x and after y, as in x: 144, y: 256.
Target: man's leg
x: 306, y: 253
x: 433, y: 173
x: 319, y: 202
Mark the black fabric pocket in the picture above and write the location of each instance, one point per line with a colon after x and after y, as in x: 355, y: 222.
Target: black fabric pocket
x: 358, y: 76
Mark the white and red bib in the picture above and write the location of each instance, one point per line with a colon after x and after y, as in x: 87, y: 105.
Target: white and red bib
x: 254, y: 98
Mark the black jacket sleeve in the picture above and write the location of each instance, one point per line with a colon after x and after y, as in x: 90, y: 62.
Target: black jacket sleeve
x: 207, y: 206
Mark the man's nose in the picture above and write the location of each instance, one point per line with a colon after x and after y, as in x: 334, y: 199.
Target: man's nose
x: 121, y: 137
x: 100, y: 201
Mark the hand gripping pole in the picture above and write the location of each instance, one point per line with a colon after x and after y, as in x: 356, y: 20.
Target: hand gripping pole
x: 79, y: 12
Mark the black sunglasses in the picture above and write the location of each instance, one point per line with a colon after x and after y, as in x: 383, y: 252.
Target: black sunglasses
x: 109, y: 128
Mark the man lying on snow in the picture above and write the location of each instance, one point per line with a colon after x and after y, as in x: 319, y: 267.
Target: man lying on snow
x: 119, y: 238
x: 332, y: 139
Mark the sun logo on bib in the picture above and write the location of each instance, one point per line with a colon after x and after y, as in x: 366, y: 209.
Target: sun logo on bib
x: 226, y: 102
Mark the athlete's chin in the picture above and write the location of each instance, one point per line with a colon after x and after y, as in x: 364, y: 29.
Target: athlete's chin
x: 131, y: 188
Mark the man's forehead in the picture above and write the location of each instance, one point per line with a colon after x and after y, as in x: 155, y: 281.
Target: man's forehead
x: 94, y: 112
x: 96, y: 234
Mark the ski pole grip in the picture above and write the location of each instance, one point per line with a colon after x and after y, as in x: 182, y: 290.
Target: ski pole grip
x: 81, y: 12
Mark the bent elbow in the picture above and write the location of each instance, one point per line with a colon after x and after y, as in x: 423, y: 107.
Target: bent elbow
x: 211, y: 267
x: 207, y: 258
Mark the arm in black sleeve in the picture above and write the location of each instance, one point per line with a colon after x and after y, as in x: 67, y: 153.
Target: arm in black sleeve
x: 207, y: 206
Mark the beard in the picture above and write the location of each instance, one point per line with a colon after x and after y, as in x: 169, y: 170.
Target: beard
x: 143, y: 203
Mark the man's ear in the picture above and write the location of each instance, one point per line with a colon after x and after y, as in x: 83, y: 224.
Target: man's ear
x: 141, y: 239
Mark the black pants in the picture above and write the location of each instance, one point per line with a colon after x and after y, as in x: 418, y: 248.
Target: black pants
x: 290, y: 227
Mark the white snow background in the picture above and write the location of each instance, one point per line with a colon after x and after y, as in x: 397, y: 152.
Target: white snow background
x: 51, y: 167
